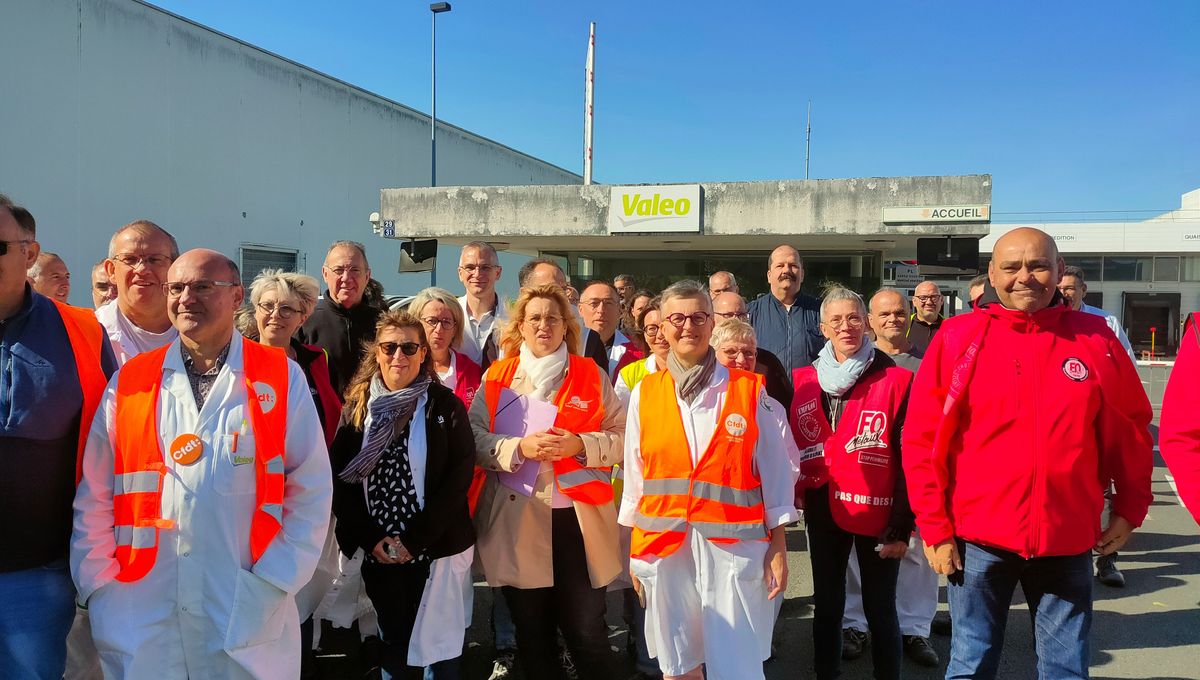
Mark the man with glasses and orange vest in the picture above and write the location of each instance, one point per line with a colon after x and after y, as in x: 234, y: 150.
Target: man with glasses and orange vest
x: 205, y: 497
x: 708, y: 490
x: 54, y: 362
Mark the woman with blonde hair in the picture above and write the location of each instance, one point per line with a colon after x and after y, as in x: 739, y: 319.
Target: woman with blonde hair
x: 403, y: 457
x: 546, y: 522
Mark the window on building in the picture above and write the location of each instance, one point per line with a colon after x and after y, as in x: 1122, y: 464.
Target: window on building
x: 1128, y: 268
x: 1093, y: 267
x: 1189, y: 268
x: 1166, y: 269
x: 257, y: 258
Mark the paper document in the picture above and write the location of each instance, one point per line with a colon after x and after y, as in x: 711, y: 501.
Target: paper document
x: 518, y: 416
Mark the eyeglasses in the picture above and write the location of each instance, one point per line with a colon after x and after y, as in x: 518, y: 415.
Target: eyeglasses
x: 734, y: 315
x: 151, y: 261
x: 739, y: 353
x: 342, y: 271
x: 434, y: 322
x: 651, y: 330
x: 283, y: 311
x: 550, y: 320
x: 697, y: 318
x: 597, y: 303
x: 202, y: 288
x: 484, y: 269
x: 388, y: 349
x: 848, y: 322
x: 927, y: 298
x: 4, y: 245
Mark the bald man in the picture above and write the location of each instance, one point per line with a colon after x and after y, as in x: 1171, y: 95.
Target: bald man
x: 927, y: 316
x: 1020, y: 417
x: 787, y: 322
x: 733, y: 306
x: 205, y: 497
x: 722, y: 282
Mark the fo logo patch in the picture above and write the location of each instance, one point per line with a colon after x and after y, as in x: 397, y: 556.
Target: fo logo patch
x: 735, y: 424
x: 1075, y: 369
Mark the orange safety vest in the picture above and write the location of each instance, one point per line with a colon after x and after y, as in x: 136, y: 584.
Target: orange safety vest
x: 139, y: 464
x: 721, y: 496
x: 580, y: 409
x: 85, y: 334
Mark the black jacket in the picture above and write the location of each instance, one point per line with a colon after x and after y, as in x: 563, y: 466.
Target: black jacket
x: 778, y: 381
x: 900, y: 525
x: 342, y: 333
x: 443, y: 527
x: 593, y: 348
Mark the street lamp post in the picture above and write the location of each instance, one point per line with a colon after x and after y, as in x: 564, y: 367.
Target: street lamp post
x: 435, y: 9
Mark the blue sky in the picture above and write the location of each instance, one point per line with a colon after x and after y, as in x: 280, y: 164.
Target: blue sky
x: 1070, y: 106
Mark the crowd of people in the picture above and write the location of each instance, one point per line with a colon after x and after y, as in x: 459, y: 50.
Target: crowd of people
x: 201, y: 473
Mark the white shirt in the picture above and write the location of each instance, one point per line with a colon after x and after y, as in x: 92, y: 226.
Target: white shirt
x: 1111, y: 320
x: 617, y: 351
x: 476, y: 332
x: 129, y: 340
x: 450, y: 377
x: 773, y: 452
x: 204, y: 610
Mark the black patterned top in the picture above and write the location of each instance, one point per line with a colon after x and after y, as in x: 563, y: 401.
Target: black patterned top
x: 391, y: 493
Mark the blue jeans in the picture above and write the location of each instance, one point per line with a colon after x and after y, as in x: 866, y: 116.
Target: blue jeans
x: 1059, y: 593
x: 36, y: 609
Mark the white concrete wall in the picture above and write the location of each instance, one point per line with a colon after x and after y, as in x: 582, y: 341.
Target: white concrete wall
x: 115, y: 111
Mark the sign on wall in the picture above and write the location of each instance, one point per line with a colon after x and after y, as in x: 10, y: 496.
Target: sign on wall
x: 650, y: 209
x: 937, y: 213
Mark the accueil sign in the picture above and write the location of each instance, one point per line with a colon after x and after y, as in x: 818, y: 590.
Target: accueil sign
x: 937, y: 213
x: 648, y: 209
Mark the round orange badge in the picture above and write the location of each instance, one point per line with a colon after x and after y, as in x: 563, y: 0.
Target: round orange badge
x: 186, y: 449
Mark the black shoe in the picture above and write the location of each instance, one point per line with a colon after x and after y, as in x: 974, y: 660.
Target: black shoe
x: 920, y: 650
x: 853, y: 642
x: 1108, y: 573
x: 941, y: 624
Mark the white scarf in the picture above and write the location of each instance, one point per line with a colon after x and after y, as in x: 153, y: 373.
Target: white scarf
x: 837, y: 378
x: 544, y: 373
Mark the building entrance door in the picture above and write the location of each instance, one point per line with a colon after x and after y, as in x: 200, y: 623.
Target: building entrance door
x: 1159, y: 311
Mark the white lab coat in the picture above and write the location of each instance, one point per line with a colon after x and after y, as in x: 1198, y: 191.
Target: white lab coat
x: 204, y: 611
x: 707, y: 603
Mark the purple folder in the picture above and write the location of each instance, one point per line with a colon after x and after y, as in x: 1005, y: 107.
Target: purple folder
x: 517, y: 416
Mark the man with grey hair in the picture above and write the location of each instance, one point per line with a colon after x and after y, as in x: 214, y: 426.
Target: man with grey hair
x: 484, y: 313
x: 787, y: 322
x: 707, y: 557
x: 139, y: 255
x: 917, y: 585
x: 722, y: 282
x: 104, y: 290
x: 625, y: 286
x: 343, y: 321
x: 927, y: 314
x: 50, y: 277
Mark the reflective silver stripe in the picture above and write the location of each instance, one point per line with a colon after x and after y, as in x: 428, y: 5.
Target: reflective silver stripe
x: 136, y: 482
x: 678, y: 486
x: 275, y: 510
x: 136, y: 537
x: 742, y: 532
x: 746, y: 498
x: 275, y: 466
x: 581, y: 477
x: 659, y: 523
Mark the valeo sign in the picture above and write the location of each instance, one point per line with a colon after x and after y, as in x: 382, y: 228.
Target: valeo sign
x: 649, y: 209
x: 937, y: 213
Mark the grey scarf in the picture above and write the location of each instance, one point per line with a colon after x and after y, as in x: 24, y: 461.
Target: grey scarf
x: 387, y: 413
x: 690, y: 381
x: 837, y: 378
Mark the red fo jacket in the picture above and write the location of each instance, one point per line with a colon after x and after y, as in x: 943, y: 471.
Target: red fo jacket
x: 1179, y: 427
x: 1048, y: 412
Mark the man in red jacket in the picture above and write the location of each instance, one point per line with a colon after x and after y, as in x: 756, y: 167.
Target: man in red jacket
x: 1179, y: 428
x: 1018, y: 419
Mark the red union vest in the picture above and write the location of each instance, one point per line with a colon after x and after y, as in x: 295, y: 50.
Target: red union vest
x: 721, y: 496
x: 580, y: 409
x: 139, y: 465
x: 85, y: 334
x: 856, y: 459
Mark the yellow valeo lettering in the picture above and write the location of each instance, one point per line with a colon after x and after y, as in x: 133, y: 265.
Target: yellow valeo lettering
x: 656, y: 206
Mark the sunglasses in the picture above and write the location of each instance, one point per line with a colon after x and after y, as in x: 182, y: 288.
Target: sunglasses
x: 409, y: 348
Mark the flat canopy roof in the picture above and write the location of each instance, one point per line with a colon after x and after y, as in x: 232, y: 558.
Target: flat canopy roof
x: 874, y: 213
